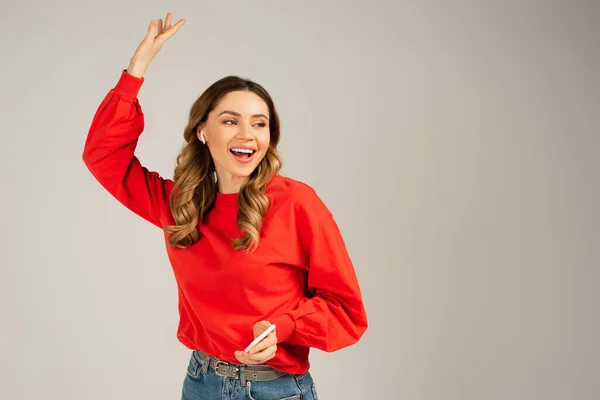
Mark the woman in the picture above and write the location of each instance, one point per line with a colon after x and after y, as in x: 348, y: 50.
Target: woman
x: 249, y: 247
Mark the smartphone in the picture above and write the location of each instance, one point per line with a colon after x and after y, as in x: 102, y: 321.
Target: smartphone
x: 259, y: 338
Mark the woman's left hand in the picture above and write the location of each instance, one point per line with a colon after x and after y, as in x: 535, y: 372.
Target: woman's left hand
x: 264, y: 350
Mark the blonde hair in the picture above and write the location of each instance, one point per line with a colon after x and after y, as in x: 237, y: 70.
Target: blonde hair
x: 195, y: 187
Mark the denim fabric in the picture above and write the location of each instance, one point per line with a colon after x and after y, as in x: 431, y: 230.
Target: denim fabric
x: 210, y: 386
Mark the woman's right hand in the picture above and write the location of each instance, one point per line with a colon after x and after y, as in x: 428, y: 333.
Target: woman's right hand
x: 151, y: 45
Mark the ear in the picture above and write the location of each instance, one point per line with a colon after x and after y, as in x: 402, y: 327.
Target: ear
x: 198, y: 132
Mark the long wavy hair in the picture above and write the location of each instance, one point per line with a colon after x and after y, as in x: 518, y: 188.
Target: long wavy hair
x: 195, y: 188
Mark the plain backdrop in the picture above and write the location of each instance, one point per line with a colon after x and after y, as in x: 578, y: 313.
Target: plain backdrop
x: 457, y: 144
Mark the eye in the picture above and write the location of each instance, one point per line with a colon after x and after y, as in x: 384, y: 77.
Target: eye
x: 230, y: 120
x: 262, y: 124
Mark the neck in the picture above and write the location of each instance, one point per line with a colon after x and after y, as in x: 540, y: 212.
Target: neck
x: 228, y: 183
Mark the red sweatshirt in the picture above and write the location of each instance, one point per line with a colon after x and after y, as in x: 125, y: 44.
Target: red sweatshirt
x: 300, y: 277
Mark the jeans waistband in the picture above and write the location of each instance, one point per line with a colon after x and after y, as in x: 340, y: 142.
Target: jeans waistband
x: 238, y: 371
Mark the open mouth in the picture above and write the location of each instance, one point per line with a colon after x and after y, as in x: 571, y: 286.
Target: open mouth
x: 242, y: 155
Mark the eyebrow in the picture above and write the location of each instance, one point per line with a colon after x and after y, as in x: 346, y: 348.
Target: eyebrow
x: 239, y: 115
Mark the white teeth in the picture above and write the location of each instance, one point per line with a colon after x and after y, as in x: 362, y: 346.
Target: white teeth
x: 242, y: 150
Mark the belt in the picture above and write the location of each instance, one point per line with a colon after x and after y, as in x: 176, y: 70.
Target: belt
x: 237, y: 371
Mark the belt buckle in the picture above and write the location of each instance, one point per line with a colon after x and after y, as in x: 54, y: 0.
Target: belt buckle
x: 221, y: 371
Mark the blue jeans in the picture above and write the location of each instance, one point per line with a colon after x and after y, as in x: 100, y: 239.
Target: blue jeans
x: 200, y: 385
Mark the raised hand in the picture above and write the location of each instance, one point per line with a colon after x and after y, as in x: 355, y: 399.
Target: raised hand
x: 151, y: 44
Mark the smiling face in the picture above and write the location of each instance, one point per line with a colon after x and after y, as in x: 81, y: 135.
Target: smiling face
x: 237, y: 135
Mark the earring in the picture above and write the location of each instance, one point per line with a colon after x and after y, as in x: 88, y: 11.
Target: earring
x: 202, y: 137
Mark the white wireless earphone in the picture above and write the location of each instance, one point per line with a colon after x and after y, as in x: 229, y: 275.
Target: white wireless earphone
x: 202, y: 137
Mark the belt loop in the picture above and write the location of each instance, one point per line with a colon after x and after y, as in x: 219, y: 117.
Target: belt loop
x: 242, y: 375
x: 206, y: 364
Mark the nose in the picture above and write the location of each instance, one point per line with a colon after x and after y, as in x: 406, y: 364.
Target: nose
x: 244, y: 132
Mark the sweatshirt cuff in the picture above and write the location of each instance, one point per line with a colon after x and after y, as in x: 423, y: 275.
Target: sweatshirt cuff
x: 128, y: 85
x: 286, y: 327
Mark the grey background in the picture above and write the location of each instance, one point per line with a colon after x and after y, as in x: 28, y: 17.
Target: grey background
x: 456, y: 143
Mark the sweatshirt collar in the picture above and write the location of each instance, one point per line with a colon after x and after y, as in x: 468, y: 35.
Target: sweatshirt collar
x: 231, y: 199
x: 226, y: 200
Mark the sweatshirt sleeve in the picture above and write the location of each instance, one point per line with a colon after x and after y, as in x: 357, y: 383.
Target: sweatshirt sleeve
x: 334, y: 317
x: 109, y: 152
